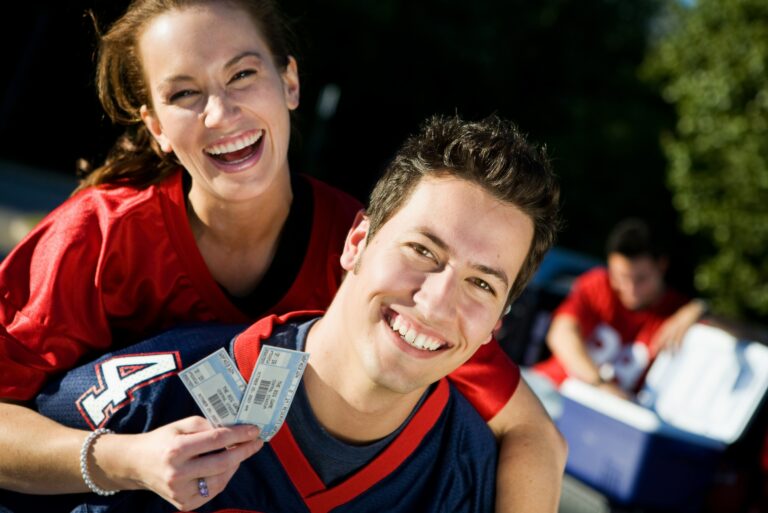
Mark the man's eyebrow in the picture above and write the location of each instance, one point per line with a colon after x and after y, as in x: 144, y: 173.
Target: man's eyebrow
x: 231, y: 62
x: 434, y: 238
x: 501, y: 275
x: 498, y: 273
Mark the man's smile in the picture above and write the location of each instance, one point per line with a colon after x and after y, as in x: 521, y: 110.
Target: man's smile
x: 411, y: 334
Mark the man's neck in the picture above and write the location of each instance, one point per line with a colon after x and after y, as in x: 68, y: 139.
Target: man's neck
x: 347, y: 404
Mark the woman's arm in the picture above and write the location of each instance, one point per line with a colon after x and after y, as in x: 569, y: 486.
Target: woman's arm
x: 41, y: 456
x: 532, y: 456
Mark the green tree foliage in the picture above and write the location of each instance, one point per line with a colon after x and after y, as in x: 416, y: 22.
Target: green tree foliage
x: 711, y: 60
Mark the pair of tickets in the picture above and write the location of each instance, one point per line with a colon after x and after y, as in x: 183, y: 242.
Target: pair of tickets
x: 222, y: 394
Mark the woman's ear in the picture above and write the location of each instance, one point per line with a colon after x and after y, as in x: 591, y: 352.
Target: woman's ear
x: 155, y: 128
x: 291, y: 84
x: 355, y: 243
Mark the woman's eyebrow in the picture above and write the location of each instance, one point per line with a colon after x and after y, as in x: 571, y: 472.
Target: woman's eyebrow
x: 237, y: 58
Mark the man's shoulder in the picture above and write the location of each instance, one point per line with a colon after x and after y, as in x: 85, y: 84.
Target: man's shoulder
x: 463, y: 453
x: 247, y: 345
x: 463, y: 420
x: 591, y: 283
x: 672, y: 301
x: 591, y: 294
x: 133, y: 389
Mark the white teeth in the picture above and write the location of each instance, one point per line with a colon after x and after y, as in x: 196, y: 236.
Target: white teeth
x: 421, y: 341
x: 410, y: 335
x: 237, y: 144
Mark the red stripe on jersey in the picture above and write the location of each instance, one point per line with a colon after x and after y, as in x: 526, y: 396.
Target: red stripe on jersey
x: 321, y: 500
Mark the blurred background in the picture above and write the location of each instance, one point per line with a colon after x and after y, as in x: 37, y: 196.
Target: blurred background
x: 650, y: 108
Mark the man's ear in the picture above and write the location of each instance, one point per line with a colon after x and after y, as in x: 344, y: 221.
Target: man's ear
x: 495, y: 330
x: 497, y: 327
x: 355, y: 243
x: 155, y: 128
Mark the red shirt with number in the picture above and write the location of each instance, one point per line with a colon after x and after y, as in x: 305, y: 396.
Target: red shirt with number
x: 615, y: 336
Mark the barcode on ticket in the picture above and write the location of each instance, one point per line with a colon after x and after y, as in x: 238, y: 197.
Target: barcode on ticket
x: 216, y: 386
x: 218, y: 405
x: 261, y: 394
x: 271, y: 388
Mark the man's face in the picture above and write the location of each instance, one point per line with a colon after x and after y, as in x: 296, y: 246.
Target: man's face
x: 427, y: 291
x: 639, y: 281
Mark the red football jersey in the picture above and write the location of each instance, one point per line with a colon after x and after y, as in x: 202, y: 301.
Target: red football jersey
x: 114, y: 265
x: 614, y: 335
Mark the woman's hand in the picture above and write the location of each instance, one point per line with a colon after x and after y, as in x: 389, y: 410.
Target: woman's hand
x: 171, y: 460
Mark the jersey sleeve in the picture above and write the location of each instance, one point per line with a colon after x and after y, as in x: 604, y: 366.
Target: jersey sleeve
x: 579, y: 303
x: 488, y: 379
x: 134, y: 389
x: 49, y: 301
x: 320, y: 274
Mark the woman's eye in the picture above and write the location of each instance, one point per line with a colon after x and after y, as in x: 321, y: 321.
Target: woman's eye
x: 242, y: 74
x: 186, y: 93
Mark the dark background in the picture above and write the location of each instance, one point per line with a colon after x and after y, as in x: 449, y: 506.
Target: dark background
x: 565, y: 70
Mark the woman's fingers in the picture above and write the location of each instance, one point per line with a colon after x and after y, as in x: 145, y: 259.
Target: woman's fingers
x: 178, y: 455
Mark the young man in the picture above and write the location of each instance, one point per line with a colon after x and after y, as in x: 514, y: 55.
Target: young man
x: 375, y: 426
x: 615, y: 320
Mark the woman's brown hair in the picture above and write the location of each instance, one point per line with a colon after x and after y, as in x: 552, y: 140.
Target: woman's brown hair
x: 136, y: 159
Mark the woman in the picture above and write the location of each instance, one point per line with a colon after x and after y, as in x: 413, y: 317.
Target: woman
x: 194, y: 217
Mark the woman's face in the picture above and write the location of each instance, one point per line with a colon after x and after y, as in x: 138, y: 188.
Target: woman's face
x: 218, y: 100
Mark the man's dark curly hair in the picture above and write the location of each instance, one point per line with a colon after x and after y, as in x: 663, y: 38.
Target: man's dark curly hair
x: 491, y: 153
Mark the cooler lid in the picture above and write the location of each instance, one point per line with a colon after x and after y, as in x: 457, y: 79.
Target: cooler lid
x: 712, y: 386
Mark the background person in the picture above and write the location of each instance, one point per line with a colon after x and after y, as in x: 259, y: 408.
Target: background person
x: 616, y: 319
x: 195, y: 216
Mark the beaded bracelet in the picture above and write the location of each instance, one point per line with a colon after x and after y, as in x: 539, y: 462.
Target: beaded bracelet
x: 84, y: 461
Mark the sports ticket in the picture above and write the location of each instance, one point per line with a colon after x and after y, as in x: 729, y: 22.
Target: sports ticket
x: 271, y: 388
x: 217, y: 387
x: 221, y: 392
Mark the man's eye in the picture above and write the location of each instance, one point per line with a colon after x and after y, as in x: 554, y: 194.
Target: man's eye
x: 422, y: 251
x: 484, y: 285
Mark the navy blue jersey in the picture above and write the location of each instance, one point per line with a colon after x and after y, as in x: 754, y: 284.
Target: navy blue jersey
x: 444, y: 459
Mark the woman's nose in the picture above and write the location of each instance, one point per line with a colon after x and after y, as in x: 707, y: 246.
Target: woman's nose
x: 218, y: 110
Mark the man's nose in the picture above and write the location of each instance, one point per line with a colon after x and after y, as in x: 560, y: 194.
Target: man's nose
x: 438, y: 294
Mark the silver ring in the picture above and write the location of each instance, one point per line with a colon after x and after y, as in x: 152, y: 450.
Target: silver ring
x: 202, y: 487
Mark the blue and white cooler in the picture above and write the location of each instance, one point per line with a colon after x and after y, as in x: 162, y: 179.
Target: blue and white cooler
x: 662, y: 452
